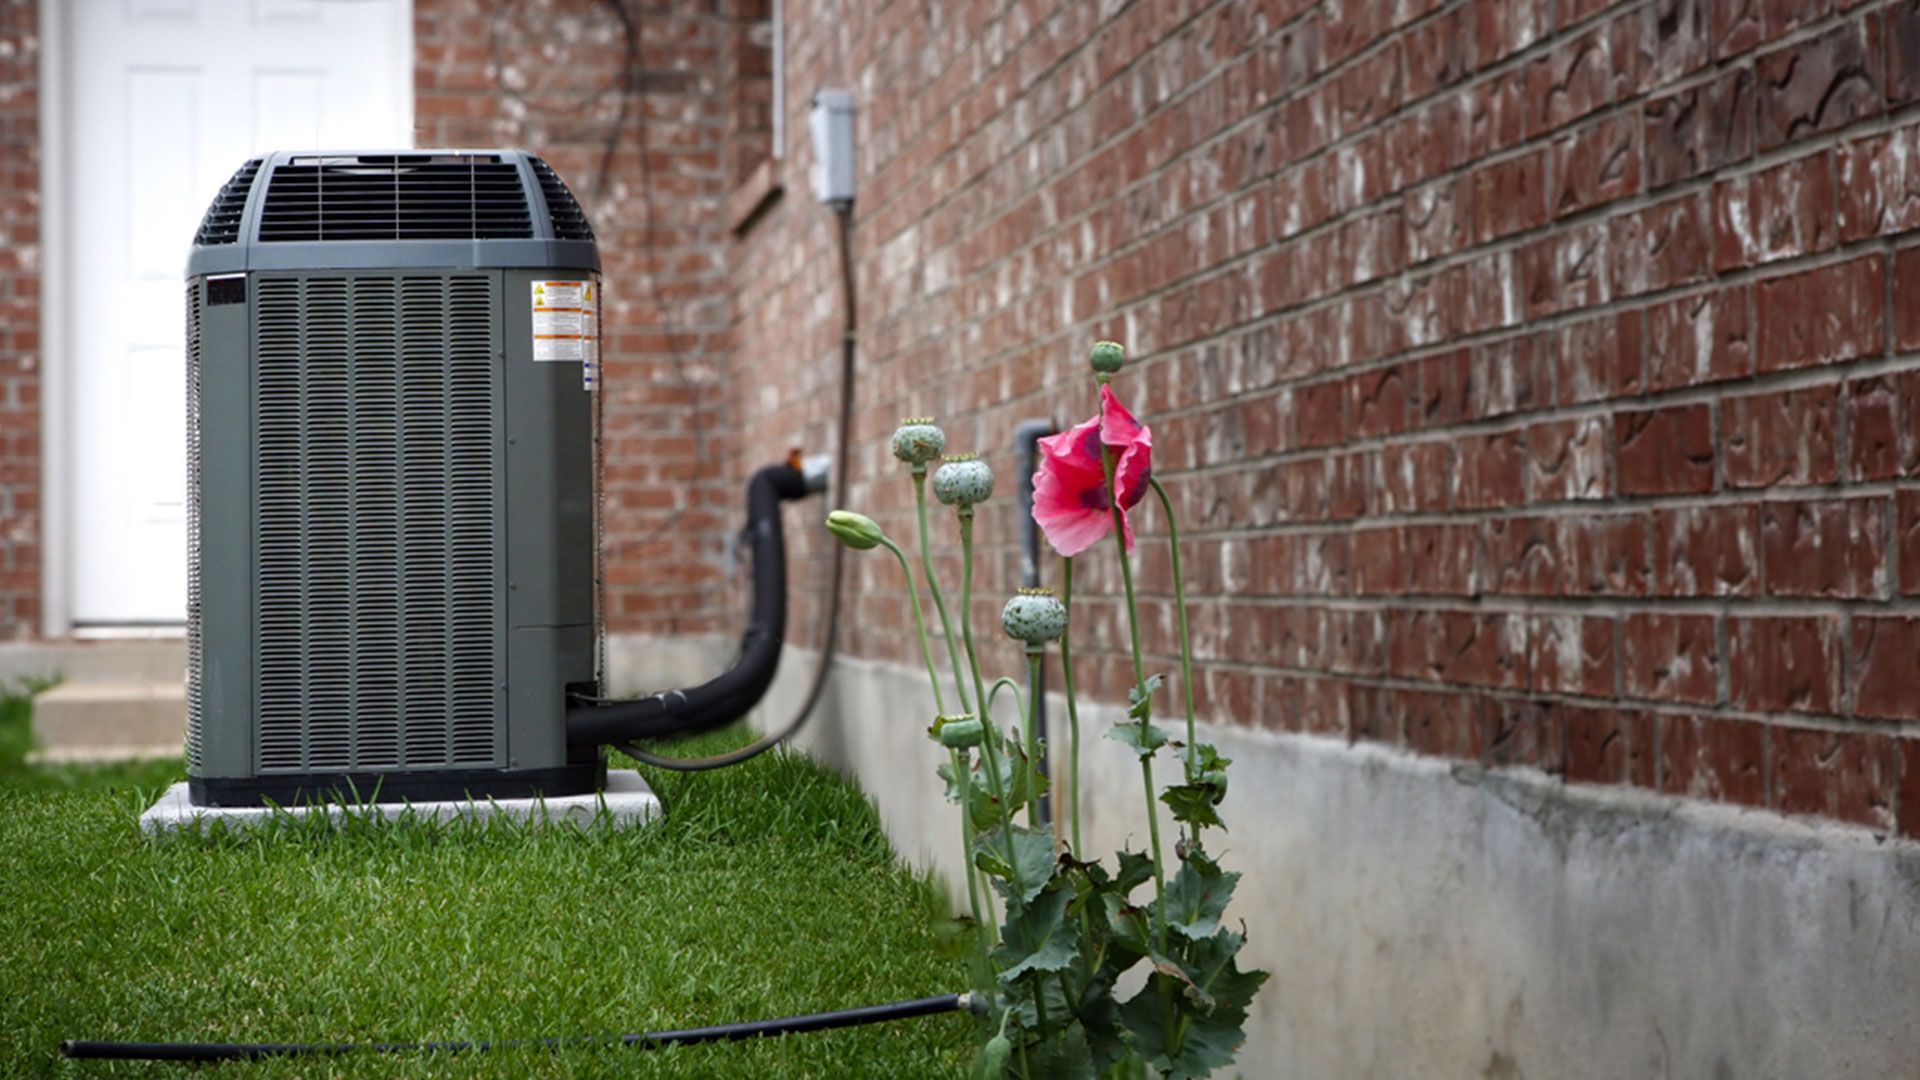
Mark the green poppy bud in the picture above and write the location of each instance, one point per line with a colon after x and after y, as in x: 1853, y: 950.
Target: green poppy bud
x: 1107, y: 358
x: 963, y: 481
x: 960, y: 732
x: 996, y: 1055
x: 857, y: 531
x: 1035, y: 616
x: 917, y: 441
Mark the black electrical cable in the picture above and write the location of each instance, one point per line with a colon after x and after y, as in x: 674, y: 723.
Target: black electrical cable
x: 630, y: 88
x: 823, y: 1021
x: 842, y: 464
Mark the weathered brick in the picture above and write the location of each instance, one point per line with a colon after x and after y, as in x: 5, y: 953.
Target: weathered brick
x: 1700, y: 339
x: 1833, y: 549
x: 1510, y: 196
x: 1907, y: 539
x: 1609, y: 746
x: 1436, y: 722
x: 1567, y: 460
x: 1571, y: 654
x: 1707, y: 757
x: 1664, y: 451
x: 1597, y: 164
x: 1817, y: 85
x: 1699, y: 129
x: 1875, y: 436
x: 1523, y: 556
x: 1600, y: 358
x: 1492, y: 472
x: 1785, y: 663
x: 1706, y: 551
x: 1736, y: 27
x: 1526, y: 733
x: 1441, y: 559
x: 1609, y: 554
x: 1901, y: 32
x: 1780, y: 213
x: 1879, y: 184
x: 1822, y: 316
x: 1660, y: 247
x: 1785, y: 437
x: 1886, y: 651
x: 1849, y: 776
x: 1669, y: 657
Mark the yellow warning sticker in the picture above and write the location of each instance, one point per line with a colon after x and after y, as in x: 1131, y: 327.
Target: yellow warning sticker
x: 565, y: 322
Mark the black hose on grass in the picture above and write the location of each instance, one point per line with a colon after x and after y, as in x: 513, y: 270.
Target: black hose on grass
x: 196, y: 1052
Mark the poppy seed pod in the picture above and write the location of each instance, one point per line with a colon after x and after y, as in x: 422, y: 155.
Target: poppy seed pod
x: 963, y: 481
x: 961, y: 732
x: 918, y: 441
x: 1035, y: 616
x: 1107, y: 358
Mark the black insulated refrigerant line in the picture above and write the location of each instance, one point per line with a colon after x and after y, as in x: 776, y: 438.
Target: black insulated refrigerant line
x: 204, y: 1052
x: 726, y: 697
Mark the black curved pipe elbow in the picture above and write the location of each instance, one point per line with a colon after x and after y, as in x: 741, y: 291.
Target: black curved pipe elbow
x: 729, y: 695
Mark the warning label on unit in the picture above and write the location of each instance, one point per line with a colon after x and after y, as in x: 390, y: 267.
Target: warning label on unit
x: 565, y: 326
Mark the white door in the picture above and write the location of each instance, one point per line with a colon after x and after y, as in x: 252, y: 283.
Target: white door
x: 166, y: 99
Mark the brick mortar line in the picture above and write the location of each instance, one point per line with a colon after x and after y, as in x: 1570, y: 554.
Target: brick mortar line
x: 1811, y: 377
x: 1598, y: 605
x: 1892, y: 728
x: 1723, y: 709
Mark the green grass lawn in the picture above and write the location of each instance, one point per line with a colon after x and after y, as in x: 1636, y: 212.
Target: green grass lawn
x: 768, y: 890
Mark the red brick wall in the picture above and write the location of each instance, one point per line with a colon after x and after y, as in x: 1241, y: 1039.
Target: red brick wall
x: 547, y: 75
x: 19, y: 319
x: 1538, y: 381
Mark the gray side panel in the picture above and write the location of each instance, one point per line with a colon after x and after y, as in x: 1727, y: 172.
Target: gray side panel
x: 379, y: 635
x: 549, y: 530
x: 223, y: 524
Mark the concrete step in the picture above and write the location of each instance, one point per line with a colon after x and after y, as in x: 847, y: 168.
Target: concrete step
x: 119, y: 660
x: 103, y: 719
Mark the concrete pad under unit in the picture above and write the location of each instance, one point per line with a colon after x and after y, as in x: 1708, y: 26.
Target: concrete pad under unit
x: 626, y: 802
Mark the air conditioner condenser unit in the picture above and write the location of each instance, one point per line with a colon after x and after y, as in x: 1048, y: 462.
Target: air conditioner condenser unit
x: 390, y: 360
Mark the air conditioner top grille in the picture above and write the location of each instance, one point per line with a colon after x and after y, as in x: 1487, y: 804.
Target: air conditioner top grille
x: 395, y: 197
x: 394, y: 209
x: 563, y: 210
x: 221, y: 225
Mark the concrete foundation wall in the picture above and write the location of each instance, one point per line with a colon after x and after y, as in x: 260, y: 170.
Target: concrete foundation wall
x: 1429, y: 919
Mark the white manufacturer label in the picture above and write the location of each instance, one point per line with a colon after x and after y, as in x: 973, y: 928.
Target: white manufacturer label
x: 564, y: 323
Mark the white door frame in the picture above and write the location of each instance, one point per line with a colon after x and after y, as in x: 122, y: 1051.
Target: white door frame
x: 56, y: 376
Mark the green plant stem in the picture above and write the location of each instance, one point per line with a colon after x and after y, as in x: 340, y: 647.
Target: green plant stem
x: 920, y: 624
x: 1066, y: 675
x: 1073, y: 711
x: 1033, y: 736
x: 963, y: 775
x: 992, y: 730
x: 933, y: 588
x: 1140, y: 680
x: 980, y: 694
x: 1186, y: 643
x: 993, y: 695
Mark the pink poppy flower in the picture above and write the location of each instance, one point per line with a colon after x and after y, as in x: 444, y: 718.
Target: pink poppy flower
x: 1070, y: 501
